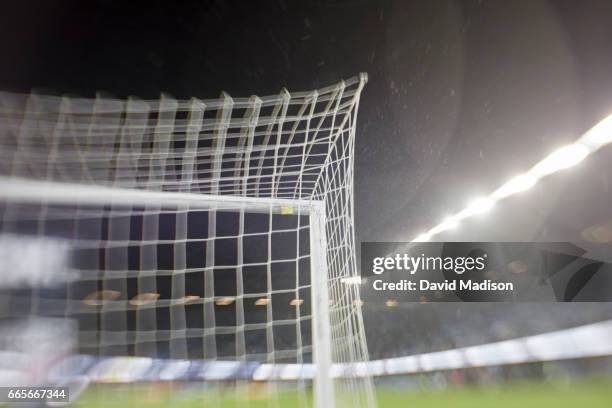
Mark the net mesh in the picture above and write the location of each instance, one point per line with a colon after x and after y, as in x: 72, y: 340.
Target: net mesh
x: 186, y: 224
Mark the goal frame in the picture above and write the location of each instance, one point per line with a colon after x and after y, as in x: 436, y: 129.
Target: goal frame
x: 288, y: 154
x: 19, y: 190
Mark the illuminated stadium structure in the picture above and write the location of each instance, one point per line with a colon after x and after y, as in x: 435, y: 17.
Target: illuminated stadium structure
x: 192, y: 230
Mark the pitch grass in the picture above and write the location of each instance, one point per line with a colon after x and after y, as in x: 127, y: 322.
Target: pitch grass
x: 595, y: 393
x: 582, y: 394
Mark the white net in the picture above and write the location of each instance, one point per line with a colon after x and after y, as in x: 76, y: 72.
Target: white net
x: 197, y: 229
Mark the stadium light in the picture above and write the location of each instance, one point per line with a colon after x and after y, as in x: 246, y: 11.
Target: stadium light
x: 518, y: 266
x: 516, y: 185
x: 422, y: 238
x: 599, y: 233
x: 352, y: 280
x: 562, y: 158
x: 391, y: 303
x: 224, y: 301
x: 101, y: 297
x: 478, y: 206
x: 144, y: 299
x: 185, y: 300
x: 598, y: 135
x: 262, y: 302
x: 448, y: 223
x: 567, y: 156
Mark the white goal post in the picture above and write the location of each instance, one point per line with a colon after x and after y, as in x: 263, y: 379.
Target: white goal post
x: 199, y: 229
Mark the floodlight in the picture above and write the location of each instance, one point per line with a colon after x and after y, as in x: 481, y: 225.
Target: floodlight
x: 562, y: 158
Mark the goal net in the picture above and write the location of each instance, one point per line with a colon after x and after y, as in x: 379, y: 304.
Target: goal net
x: 191, y: 230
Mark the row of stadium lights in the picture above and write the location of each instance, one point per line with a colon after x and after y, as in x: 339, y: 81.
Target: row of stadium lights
x: 226, y: 301
x: 567, y: 156
x: 102, y: 297
x: 389, y: 302
x: 105, y: 296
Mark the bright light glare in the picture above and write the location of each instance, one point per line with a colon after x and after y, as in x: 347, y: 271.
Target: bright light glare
x: 599, y: 135
x: 449, y: 223
x: 478, y: 206
x: 422, y: 238
x: 516, y: 185
x: 563, y: 158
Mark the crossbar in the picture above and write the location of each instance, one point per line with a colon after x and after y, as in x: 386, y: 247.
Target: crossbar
x: 30, y: 191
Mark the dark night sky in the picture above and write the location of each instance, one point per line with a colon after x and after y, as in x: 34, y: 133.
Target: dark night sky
x: 462, y: 94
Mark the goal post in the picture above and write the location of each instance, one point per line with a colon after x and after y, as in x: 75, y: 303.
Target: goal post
x: 213, y: 230
x: 322, y: 339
